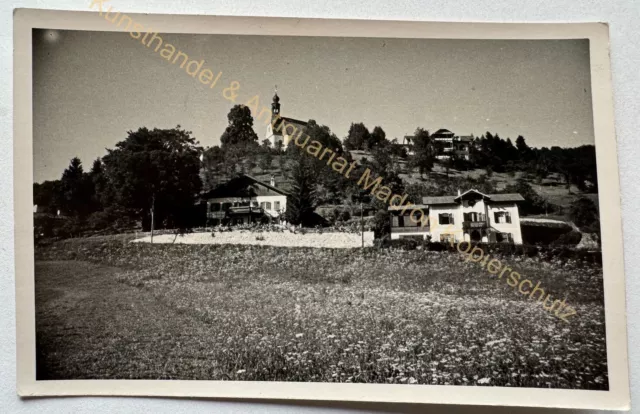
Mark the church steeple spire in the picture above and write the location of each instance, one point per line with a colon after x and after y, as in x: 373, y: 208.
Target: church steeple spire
x: 275, y: 106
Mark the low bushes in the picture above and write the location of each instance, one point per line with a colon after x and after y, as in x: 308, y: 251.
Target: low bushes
x: 351, y: 226
x: 548, y: 253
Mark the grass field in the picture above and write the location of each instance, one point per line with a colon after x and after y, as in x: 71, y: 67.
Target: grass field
x: 110, y: 309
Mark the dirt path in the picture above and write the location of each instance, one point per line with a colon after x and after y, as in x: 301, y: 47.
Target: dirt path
x: 88, y: 325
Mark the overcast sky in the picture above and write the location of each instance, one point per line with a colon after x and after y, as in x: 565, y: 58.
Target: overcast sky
x: 90, y: 88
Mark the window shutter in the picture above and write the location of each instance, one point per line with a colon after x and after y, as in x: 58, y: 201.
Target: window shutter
x: 508, y: 216
x: 451, y: 219
x: 394, y: 221
x: 496, y: 217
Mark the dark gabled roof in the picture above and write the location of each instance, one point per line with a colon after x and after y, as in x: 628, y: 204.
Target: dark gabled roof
x: 511, y: 197
x: 493, y: 198
x: 295, y: 121
x: 407, y: 208
x: 242, y: 186
x: 442, y: 133
x: 439, y: 200
x: 283, y: 121
x: 472, y: 191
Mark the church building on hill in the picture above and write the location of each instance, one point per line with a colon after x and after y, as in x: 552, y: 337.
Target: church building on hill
x: 282, y: 129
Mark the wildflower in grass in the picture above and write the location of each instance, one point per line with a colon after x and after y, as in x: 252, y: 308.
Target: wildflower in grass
x: 427, y: 315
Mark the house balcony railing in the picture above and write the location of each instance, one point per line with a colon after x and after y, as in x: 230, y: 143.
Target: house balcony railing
x: 416, y: 229
x: 216, y: 214
x: 238, y: 210
x: 474, y: 225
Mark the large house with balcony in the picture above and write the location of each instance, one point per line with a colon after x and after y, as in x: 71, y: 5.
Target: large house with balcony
x: 448, y: 144
x: 245, y: 200
x: 470, y: 216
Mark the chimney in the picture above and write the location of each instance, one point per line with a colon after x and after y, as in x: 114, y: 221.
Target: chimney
x: 458, y: 192
x: 272, y: 181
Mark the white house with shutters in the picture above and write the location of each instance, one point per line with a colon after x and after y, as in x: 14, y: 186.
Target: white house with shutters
x: 470, y: 216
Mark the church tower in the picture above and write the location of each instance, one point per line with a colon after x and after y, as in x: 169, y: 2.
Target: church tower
x: 275, y: 107
x: 273, y: 134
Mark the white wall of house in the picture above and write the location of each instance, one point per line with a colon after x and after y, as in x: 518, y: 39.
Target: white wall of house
x: 512, y: 228
x: 480, y: 207
x: 421, y: 232
x: 438, y: 229
x: 274, y: 204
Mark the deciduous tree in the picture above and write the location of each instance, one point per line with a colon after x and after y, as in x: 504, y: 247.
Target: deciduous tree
x: 357, y: 137
x: 156, y: 172
x: 424, y: 152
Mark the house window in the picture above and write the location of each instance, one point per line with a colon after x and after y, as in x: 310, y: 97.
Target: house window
x: 276, y: 205
x: 502, y: 217
x: 267, y: 205
x: 445, y: 218
x: 215, y: 207
x: 226, y: 206
x: 474, y: 217
x: 408, y: 222
x: 255, y: 204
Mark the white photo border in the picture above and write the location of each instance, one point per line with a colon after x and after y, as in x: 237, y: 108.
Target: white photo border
x: 609, y: 199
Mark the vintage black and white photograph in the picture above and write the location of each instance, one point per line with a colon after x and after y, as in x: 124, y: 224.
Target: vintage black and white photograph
x: 324, y: 209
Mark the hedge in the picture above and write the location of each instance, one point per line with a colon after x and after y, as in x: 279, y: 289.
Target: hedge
x: 548, y: 253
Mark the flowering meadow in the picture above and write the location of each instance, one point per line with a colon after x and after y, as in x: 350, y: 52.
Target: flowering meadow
x: 113, y: 309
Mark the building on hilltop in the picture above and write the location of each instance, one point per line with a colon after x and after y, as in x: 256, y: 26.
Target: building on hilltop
x: 471, y: 216
x: 282, y: 129
x: 407, y: 144
x: 447, y: 144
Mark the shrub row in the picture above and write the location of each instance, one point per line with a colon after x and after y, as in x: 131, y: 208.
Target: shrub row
x: 549, y: 253
x: 344, y: 227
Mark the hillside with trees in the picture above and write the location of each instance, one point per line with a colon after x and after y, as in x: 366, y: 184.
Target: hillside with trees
x: 154, y: 176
